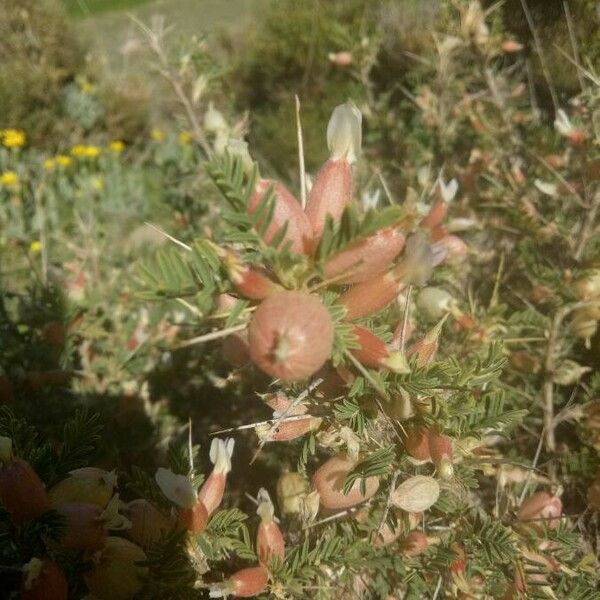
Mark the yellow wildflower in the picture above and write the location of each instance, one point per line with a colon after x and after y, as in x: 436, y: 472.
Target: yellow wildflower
x: 49, y: 164
x: 13, y: 138
x: 9, y: 179
x: 117, y: 146
x: 158, y: 135
x: 63, y: 160
x: 35, y: 247
x: 85, y: 86
x: 85, y: 151
x: 185, y: 137
x: 97, y: 183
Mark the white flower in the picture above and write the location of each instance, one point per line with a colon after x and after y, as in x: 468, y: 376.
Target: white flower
x: 562, y: 123
x: 220, y: 454
x: 214, y: 121
x: 370, y: 200
x: 448, y: 190
x: 177, y: 488
x: 549, y: 189
x: 344, y: 132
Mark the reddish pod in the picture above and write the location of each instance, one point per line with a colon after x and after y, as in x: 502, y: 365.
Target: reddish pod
x: 291, y: 335
x: 21, y: 490
x: 249, y: 281
x: 330, y: 194
x: 426, y: 348
x: 245, y: 583
x: 43, y: 580
x: 415, y: 543
x: 416, y: 443
x: 436, y: 215
x: 86, y: 526
x: 374, y: 353
x: 211, y: 492
x: 366, y: 258
x: 329, y: 482
x: 194, y: 519
x: 269, y: 539
x: 440, y: 448
x: 148, y: 524
x: 542, y: 509
x: 287, y: 212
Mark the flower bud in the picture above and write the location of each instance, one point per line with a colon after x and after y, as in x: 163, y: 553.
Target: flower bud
x: 148, y: 524
x: 435, y: 302
x: 373, y: 352
x: 291, y: 488
x: 88, y: 485
x: 21, y: 491
x: 211, y: 492
x: 416, y: 494
x: 426, y: 348
x: 329, y: 482
x: 269, y: 539
x: 436, y: 215
x: 195, y: 518
x: 245, y: 583
x: 214, y: 121
x: 291, y: 335
x: 43, y: 580
x: 287, y: 212
x: 117, y: 573
x: 366, y: 258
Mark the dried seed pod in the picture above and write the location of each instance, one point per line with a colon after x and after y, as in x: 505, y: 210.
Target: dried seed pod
x: 245, y: 583
x: 542, y: 509
x: 374, y: 353
x: 86, y: 526
x: 211, y: 492
x: 414, y: 543
x: 43, y: 580
x: 117, y: 573
x: 88, y: 485
x: 416, y: 494
x: 371, y: 296
x: 148, y: 524
x: 269, y: 539
x: 366, y: 258
x: 21, y: 491
x: 440, y: 448
x: 291, y: 488
x: 329, y: 482
x: 287, y: 212
x: 416, y: 443
x: 290, y: 335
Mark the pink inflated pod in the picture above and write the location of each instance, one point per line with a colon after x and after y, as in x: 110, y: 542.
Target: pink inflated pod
x: 249, y: 281
x: 426, y: 348
x: 374, y: 353
x: 269, y: 539
x: 416, y: 443
x: 245, y: 583
x: 211, y: 492
x: 331, y: 192
x: 366, y: 258
x: 287, y: 212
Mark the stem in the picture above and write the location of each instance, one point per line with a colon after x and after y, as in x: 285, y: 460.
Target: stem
x: 215, y: 335
x: 300, y: 154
